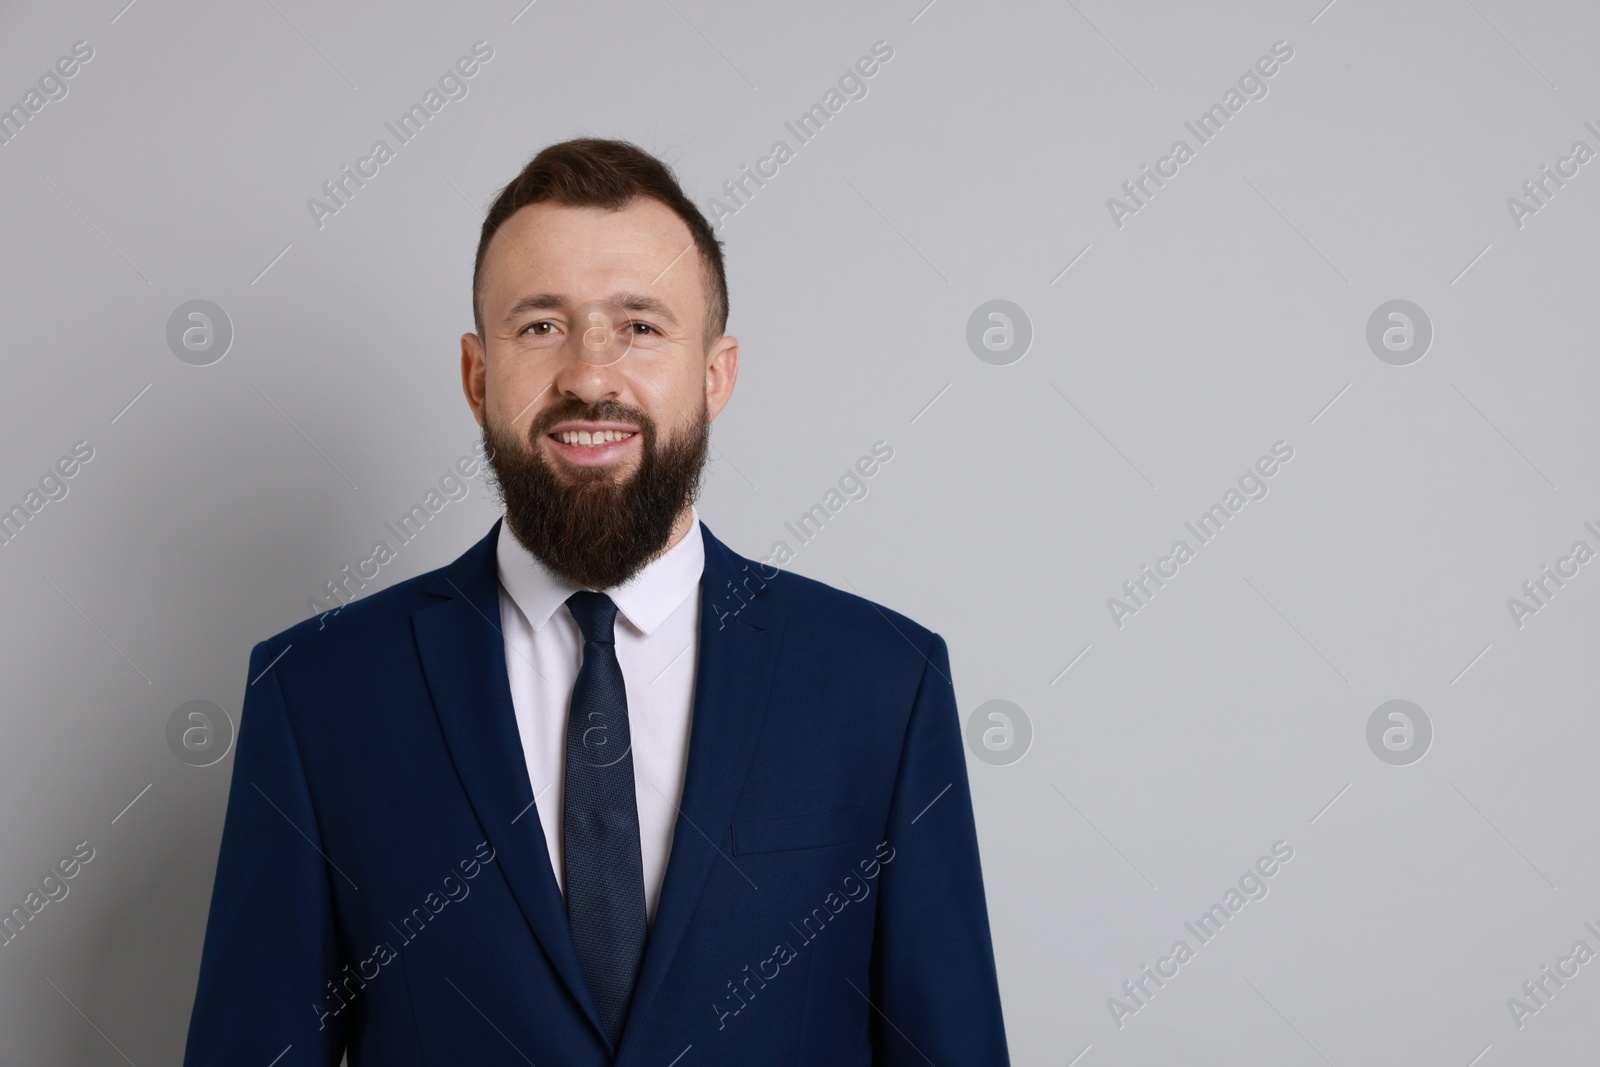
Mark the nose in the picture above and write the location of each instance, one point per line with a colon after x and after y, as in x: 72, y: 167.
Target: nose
x: 602, y: 335
x: 597, y: 339
x: 585, y: 370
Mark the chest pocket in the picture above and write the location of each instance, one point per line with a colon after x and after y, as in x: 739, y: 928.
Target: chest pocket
x: 799, y: 831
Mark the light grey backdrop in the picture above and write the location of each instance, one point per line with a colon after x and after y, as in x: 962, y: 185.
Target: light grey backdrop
x: 1175, y: 341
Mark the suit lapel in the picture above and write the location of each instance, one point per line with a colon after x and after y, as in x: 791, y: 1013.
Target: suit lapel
x: 740, y: 632
x: 463, y: 656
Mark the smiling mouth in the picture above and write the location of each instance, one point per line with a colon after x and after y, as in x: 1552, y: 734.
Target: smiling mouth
x: 585, y: 439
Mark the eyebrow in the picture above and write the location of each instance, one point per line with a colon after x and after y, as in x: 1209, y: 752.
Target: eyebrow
x: 626, y: 300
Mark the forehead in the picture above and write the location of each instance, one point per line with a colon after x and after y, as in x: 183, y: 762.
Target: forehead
x: 587, y: 252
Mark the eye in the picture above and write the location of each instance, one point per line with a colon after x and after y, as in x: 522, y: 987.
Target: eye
x: 644, y: 326
x: 533, y: 328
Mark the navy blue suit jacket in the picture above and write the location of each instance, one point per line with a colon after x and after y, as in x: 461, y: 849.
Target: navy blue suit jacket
x: 384, y: 885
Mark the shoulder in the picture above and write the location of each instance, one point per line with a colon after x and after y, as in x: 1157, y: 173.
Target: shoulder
x: 374, y: 633
x: 815, y: 615
x: 370, y: 624
x: 829, y: 605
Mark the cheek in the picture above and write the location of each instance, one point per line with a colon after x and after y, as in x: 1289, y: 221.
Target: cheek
x: 517, y: 389
x: 668, y: 387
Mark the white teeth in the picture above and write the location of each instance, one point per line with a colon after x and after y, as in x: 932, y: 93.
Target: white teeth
x: 588, y: 440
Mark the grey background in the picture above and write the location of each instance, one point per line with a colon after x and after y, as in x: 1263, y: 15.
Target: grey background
x: 1226, y: 315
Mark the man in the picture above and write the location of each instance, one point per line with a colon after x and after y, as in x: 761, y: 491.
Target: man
x: 602, y: 790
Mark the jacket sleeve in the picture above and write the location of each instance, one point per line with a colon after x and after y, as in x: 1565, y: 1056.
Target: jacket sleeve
x: 935, y: 994
x: 270, y: 949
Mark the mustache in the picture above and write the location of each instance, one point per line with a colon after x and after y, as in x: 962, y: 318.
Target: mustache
x: 571, y: 408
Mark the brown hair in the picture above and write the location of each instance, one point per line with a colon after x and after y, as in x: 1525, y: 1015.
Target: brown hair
x: 592, y: 172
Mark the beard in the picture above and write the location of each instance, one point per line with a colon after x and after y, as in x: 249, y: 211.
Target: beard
x: 591, y: 525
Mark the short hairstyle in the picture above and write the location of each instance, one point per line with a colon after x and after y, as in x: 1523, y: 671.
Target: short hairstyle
x: 593, y: 172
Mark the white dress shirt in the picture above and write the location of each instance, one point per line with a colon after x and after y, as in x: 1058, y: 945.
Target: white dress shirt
x: 657, y: 635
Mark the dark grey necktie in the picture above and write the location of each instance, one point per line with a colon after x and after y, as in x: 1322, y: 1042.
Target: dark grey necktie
x: 600, y: 832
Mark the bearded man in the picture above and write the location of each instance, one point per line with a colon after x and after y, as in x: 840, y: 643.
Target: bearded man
x: 602, y: 790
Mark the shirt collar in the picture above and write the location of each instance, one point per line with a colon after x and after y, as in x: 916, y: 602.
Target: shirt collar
x: 645, y: 600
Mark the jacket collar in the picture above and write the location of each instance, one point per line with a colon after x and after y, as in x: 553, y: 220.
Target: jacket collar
x: 463, y: 658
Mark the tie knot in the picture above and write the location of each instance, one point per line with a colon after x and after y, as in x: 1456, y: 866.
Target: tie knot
x: 595, y: 614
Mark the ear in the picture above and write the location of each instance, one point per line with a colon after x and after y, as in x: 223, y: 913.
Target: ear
x: 473, y: 373
x: 722, y: 370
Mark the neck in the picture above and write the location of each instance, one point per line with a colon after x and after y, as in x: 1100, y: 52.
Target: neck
x: 680, y: 529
